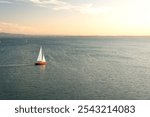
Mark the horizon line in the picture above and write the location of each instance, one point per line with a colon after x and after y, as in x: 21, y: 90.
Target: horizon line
x: 25, y: 34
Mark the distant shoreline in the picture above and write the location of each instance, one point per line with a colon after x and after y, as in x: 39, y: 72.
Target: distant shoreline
x: 2, y: 34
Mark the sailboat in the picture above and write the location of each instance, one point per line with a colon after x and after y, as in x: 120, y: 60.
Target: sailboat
x: 41, y: 58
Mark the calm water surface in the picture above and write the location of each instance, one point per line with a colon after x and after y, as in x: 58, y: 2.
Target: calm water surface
x: 78, y: 68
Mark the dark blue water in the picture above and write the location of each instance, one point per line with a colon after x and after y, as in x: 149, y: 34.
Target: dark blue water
x: 78, y: 68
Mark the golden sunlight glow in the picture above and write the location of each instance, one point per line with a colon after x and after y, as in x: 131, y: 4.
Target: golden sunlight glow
x: 121, y: 17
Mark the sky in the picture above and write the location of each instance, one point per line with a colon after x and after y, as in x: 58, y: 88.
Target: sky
x: 75, y: 17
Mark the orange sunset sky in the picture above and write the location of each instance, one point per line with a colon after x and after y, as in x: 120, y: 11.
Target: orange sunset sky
x: 75, y: 17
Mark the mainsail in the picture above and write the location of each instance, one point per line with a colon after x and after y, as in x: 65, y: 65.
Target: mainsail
x: 40, y: 57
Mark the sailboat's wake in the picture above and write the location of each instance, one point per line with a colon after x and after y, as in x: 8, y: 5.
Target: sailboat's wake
x: 16, y: 65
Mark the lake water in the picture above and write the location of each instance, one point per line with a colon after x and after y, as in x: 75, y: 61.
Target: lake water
x: 78, y: 68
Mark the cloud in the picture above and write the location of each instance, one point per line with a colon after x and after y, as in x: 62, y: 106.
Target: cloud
x: 45, y: 3
x: 55, y: 2
x: 90, y: 9
x: 5, y: 2
x: 61, y: 5
x: 14, y: 28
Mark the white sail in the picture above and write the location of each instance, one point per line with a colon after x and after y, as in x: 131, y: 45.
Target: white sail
x: 40, y: 55
x: 43, y: 58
